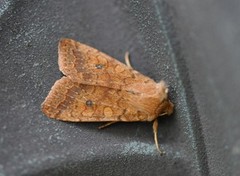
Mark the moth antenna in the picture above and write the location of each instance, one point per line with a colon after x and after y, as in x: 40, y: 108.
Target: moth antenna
x: 106, y: 125
x: 155, y: 132
x: 127, y: 59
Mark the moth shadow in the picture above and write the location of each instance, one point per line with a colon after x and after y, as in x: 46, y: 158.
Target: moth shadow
x: 133, y: 131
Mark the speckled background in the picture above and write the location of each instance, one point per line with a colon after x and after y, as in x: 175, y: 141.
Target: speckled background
x: 192, y: 45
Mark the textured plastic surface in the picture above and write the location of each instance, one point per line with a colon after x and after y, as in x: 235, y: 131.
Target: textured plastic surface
x: 191, y: 44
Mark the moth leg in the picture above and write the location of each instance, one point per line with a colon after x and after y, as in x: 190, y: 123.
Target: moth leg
x: 155, y: 132
x: 127, y: 60
x: 105, y: 125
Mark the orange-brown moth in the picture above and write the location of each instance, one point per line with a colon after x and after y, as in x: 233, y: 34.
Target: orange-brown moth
x: 98, y: 88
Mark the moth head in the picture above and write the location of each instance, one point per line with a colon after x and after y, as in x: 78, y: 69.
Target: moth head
x: 166, y: 106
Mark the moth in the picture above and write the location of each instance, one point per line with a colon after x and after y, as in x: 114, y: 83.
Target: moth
x: 98, y: 88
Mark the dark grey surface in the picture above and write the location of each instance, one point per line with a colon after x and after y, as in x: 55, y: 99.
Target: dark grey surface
x: 193, y: 45
x: 209, y: 34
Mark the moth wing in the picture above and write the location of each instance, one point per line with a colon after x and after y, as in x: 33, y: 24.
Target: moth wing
x: 72, y: 101
x: 87, y: 65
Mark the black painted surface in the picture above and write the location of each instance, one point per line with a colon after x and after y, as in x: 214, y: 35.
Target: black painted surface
x: 193, y: 45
